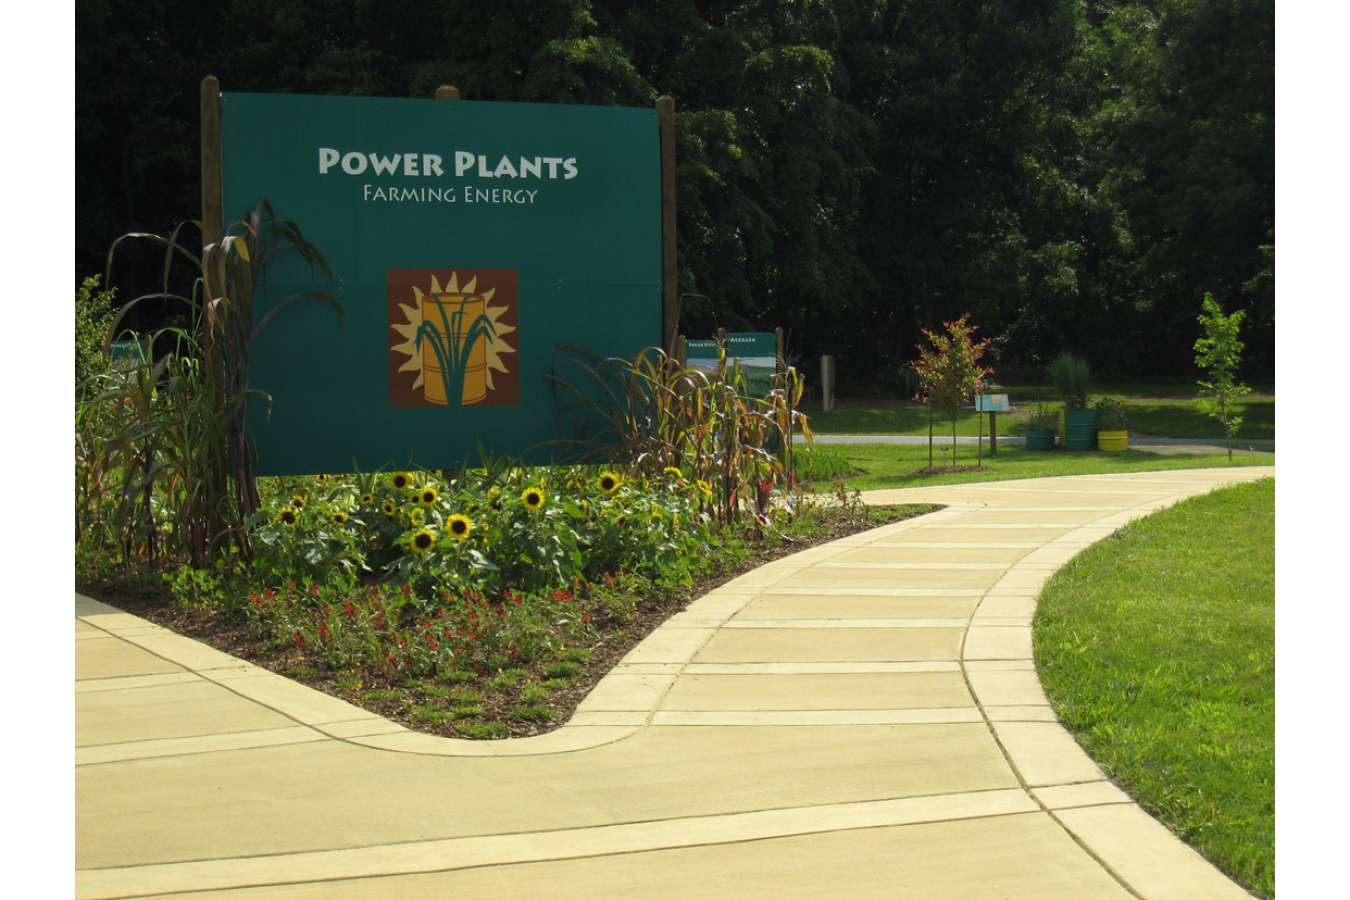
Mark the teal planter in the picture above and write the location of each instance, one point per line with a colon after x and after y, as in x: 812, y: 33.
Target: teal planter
x: 1080, y: 431
x: 1040, y: 440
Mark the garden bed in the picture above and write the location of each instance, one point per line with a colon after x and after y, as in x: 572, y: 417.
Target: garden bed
x: 531, y: 696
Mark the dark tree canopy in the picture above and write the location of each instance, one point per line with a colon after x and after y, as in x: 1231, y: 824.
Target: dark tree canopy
x: 1075, y: 174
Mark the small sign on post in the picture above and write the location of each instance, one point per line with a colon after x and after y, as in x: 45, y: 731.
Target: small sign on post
x: 992, y: 404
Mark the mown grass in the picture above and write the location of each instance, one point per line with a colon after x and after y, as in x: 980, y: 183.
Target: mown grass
x: 1167, y: 415
x: 1156, y: 647
x: 877, y: 466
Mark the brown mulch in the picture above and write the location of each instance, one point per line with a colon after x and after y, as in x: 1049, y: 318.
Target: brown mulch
x: 616, y: 639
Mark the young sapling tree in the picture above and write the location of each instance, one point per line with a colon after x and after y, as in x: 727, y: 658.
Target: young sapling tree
x: 1218, y: 352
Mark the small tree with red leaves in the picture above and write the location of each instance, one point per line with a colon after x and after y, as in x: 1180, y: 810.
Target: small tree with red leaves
x: 949, y: 372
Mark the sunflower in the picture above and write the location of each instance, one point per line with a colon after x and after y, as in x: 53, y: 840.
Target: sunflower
x: 459, y: 526
x: 367, y: 498
x: 704, y: 487
x: 339, y: 518
x: 287, y: 516
x: 423, y: 540
x: 321, y: 478
x: 673, y: 473
x: 388, y: 508
x: 298, y: 501
x: 609, y: 482
x: 533, y: 498
x: 428, y: 495
x: 418, y: 516
x: 401, y: 480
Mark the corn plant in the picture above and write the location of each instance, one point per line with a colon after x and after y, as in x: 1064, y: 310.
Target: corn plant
x: 664, y: 416
x: 184, y: 400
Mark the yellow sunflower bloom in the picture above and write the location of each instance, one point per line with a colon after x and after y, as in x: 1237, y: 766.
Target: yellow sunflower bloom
x: 423, y: 541
x: 673, y: 473
x: 418, y: 516
x: 428, y: 495
x: 367, y: 498
x: 339, y: 518
x: 321, y: 478
x: 400, y: 481
x: 704, y: 487
x: 389, y: 508
x: 287, y: 515
x: 609, y: 482
x: 298, y: 501
x: 459, y: 526
x: 533, y: 498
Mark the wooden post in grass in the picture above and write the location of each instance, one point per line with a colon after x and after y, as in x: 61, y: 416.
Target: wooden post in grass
x: 993, y: 433
x: 670, y: 299
x: 682, y: 350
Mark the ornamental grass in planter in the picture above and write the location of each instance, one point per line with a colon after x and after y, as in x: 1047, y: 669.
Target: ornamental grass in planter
x: 1069, y: 374
x: 1041, y: 431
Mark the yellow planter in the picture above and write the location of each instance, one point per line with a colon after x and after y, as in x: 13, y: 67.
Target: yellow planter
x: 1113, y: 441
x: 475, y: 372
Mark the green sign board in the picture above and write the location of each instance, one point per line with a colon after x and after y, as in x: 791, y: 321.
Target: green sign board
x: 756, y: 350
x: 470, y: 243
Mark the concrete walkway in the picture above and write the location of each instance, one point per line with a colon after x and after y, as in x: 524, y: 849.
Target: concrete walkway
x: 862, y: 719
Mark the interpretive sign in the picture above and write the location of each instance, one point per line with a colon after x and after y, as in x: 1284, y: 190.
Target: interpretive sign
x: 991, y: 403
x: 469, y: 242
x: 756, y: 351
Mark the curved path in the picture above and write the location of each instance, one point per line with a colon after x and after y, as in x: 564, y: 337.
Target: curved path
x: 860, y: 719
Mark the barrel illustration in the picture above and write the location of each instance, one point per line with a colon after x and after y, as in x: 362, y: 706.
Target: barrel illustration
x: 456, y: 320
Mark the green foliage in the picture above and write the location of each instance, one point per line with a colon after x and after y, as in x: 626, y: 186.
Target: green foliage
x: 1041, y: 420
x: 1068, y: 172
x: 949, y: 371
x: 700, y: 429
x: 162, y: 460
x: 1110, y: 414
x: 1219, y: 353
x: 94, y: 316
x: 1069, y: 375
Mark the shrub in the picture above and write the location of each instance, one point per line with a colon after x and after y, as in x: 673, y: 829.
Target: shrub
x: 1219, y: 353
x: 1110, y: 414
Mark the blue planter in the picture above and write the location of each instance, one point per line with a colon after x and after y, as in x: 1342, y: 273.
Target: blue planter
x: 1040, y: 440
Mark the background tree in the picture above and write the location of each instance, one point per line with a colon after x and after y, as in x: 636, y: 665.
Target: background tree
x: 1069, y: 171
x: 949, y: 372
x: 1219, y: 354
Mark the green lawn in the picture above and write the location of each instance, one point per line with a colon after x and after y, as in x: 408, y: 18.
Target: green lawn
x: 1156, y: 647
x: 874, y: 466
x: 1156, y: 410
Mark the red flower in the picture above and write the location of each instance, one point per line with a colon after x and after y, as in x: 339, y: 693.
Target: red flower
x: 349, y: 610
x: 269, y: 593
x: 298, y: 639
x: 406, y: 590
x: 431, y: 641
x: 586, y: 617
x: 561, y: 596
x: 314, y: 590
x: 323, y: 631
